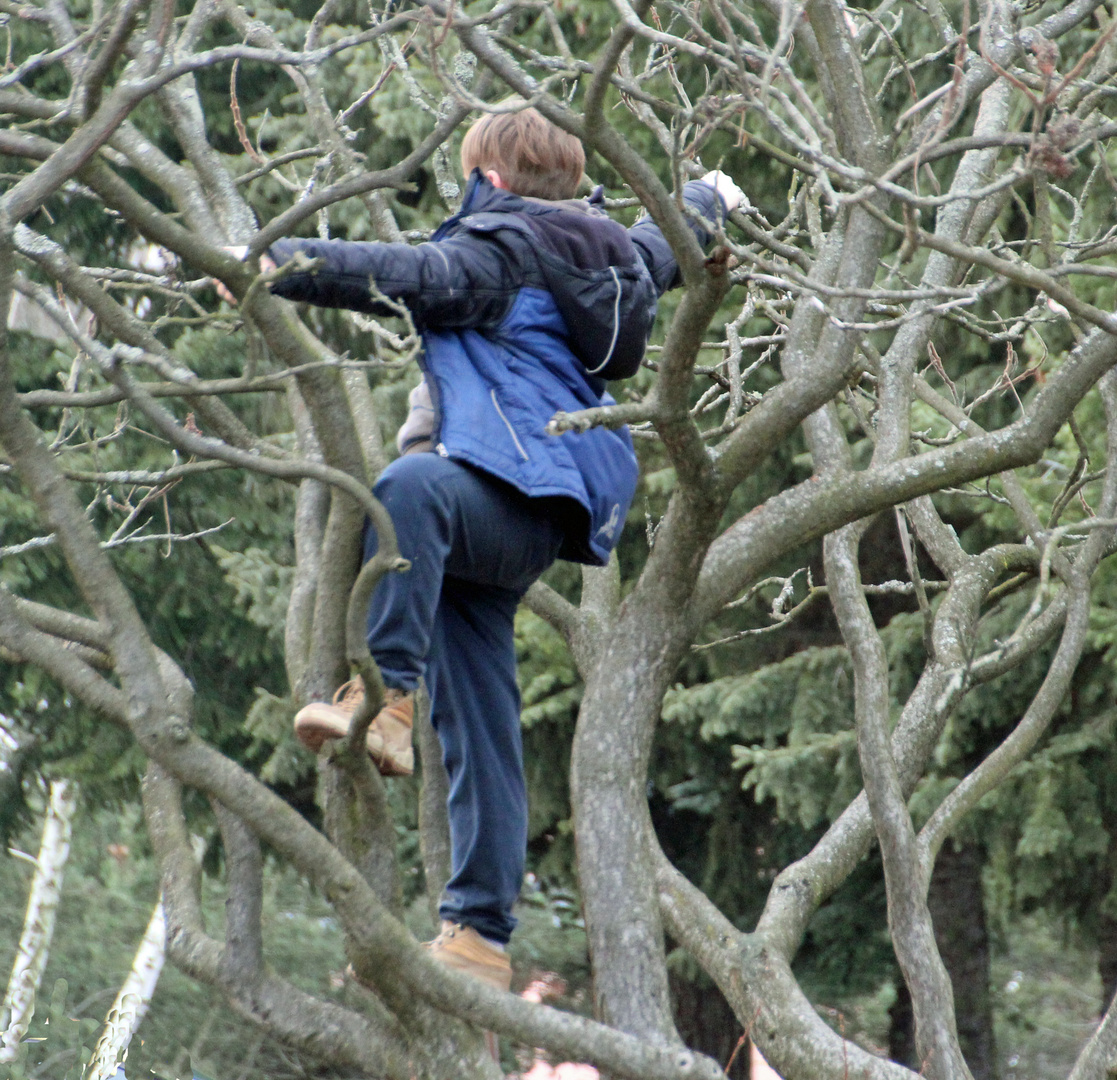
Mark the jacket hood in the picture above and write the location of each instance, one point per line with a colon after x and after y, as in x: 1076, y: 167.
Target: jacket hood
x: 577, y: 232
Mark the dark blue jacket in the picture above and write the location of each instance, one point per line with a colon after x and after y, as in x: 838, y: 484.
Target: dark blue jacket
x: 526, y: 307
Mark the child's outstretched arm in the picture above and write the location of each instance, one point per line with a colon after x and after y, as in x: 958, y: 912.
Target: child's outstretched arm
x: 462, y: 281
x: 711, y: 198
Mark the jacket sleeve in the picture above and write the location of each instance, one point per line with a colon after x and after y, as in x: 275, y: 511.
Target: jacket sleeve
x: 463, y: 281
x: 707, y: 203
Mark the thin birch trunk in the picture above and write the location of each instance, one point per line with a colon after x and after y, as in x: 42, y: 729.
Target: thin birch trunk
x: 38, y: 924
x: 131, y: 1004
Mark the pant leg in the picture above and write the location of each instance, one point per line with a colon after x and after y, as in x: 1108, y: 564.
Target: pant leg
x: 402, y: 607
x: 475, y: 708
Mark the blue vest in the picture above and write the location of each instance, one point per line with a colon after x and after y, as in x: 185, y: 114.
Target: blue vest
x: 495, y: 392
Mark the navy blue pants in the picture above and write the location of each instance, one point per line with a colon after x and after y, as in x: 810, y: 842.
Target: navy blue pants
x: 475, y: 546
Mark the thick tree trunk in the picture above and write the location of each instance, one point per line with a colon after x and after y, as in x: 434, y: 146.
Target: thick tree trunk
x: 612, y: 824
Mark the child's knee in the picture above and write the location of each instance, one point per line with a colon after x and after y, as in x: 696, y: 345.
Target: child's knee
x: 409, y: 474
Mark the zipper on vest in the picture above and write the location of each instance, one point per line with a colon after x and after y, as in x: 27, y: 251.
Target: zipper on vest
x: 511, y: 430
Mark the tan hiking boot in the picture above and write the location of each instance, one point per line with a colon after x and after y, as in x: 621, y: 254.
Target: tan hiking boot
x: 389, y: 734
x: 463, y: 949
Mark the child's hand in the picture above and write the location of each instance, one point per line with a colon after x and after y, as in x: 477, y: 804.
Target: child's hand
x: 723, y: 184
x: 267, y: 264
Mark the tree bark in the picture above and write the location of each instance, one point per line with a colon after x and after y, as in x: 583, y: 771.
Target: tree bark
x: 131, y: 1004
x: 38, y: 923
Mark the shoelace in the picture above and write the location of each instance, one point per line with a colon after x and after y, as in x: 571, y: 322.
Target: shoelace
x: 349, y: 694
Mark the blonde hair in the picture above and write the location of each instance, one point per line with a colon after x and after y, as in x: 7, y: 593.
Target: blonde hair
x: 532, y: 155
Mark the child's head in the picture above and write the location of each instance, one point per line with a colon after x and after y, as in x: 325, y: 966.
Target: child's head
x: 532, y: 155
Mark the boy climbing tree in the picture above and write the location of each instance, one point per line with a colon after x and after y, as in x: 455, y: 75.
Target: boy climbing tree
x: 528, y: 302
